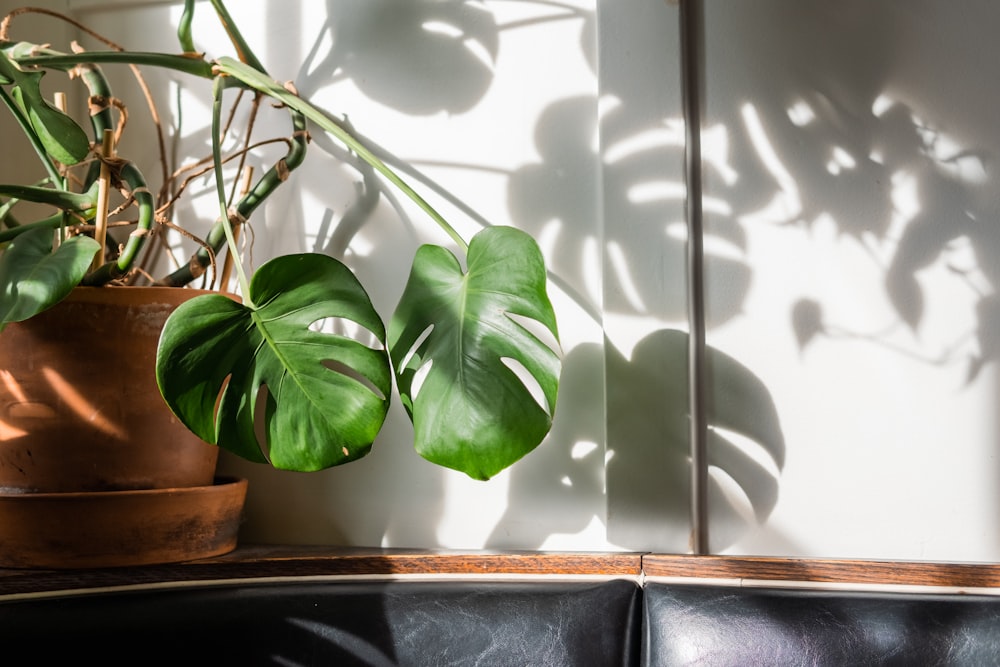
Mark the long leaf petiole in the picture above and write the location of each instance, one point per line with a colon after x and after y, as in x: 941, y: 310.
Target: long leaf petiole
x: 218, y: 88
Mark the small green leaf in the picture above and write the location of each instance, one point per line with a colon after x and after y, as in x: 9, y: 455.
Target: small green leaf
x: 63, y: 139
x: 472, y: 412
x: 326, y: 394
x: 33, y: 278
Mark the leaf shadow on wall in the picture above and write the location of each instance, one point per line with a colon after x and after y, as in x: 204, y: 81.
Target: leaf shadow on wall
x: 648, y: 472
x: 869, y: 142
x: 417, y: 57
x: 641, y: 256
x: 948, y: 224
x: 559, y: 487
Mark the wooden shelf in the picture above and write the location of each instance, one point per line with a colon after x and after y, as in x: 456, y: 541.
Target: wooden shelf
x: 285, y: 561
x: 832, y: 571
x: 270, y: 561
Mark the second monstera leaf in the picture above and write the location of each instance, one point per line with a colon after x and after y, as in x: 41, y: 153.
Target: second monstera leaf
x: 456, y: 339
x: 326, y: 394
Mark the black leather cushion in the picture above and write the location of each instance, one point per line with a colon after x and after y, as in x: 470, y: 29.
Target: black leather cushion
x: 363, y: 623
x: 711, y: 626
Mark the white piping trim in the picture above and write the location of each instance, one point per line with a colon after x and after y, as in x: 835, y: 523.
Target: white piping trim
x: 322, y: 578
x: 844, y: 586
x: 640, y: 579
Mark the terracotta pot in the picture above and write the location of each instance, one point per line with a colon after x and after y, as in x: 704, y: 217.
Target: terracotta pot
x: 79, y: 405
x: 118, y: 528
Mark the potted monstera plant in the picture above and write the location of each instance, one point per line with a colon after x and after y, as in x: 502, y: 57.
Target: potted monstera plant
x: 254, y: 371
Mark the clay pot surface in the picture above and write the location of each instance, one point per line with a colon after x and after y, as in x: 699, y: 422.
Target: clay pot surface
x: 79, y: 406
x: 120, y: 528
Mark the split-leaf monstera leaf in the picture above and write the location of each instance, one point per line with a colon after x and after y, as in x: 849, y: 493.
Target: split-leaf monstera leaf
x: 461, y: 333
x: 326, y: 394
x: 455, y: 339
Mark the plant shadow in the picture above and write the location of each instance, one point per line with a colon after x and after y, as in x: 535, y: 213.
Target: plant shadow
x: 644, y: 473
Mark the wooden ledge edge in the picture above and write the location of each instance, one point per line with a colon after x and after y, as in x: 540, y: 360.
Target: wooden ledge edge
x: 285, y: 561
x: 834, y: 571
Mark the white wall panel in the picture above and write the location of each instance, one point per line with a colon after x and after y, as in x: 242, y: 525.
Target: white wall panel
x: 860, y: 175
x: 645, y: 307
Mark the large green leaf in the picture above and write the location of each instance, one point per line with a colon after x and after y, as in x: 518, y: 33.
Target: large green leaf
x: 33, y: 278
x: 62, y: 138
x: 472, y: 412
x: 326, y: 394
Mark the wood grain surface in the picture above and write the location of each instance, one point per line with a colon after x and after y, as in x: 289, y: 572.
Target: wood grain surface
x: 281, y: 561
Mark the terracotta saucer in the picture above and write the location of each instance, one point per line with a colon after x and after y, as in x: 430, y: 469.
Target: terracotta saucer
x: 117, y: 528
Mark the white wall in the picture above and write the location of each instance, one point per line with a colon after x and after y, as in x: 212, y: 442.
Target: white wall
x: 858, y: 191
x: 849, y: 152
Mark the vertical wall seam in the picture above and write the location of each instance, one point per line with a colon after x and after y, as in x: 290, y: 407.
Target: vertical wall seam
x: 692, y: 64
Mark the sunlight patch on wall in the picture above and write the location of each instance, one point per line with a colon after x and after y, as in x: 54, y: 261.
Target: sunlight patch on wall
x: 801, y: 113
x: 840, y: 160
x: 715, y: 145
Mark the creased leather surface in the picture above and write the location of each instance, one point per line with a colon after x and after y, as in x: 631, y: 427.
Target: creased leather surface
x: 398, y: 623
x: 501, y: 623
x: 723, y: 626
